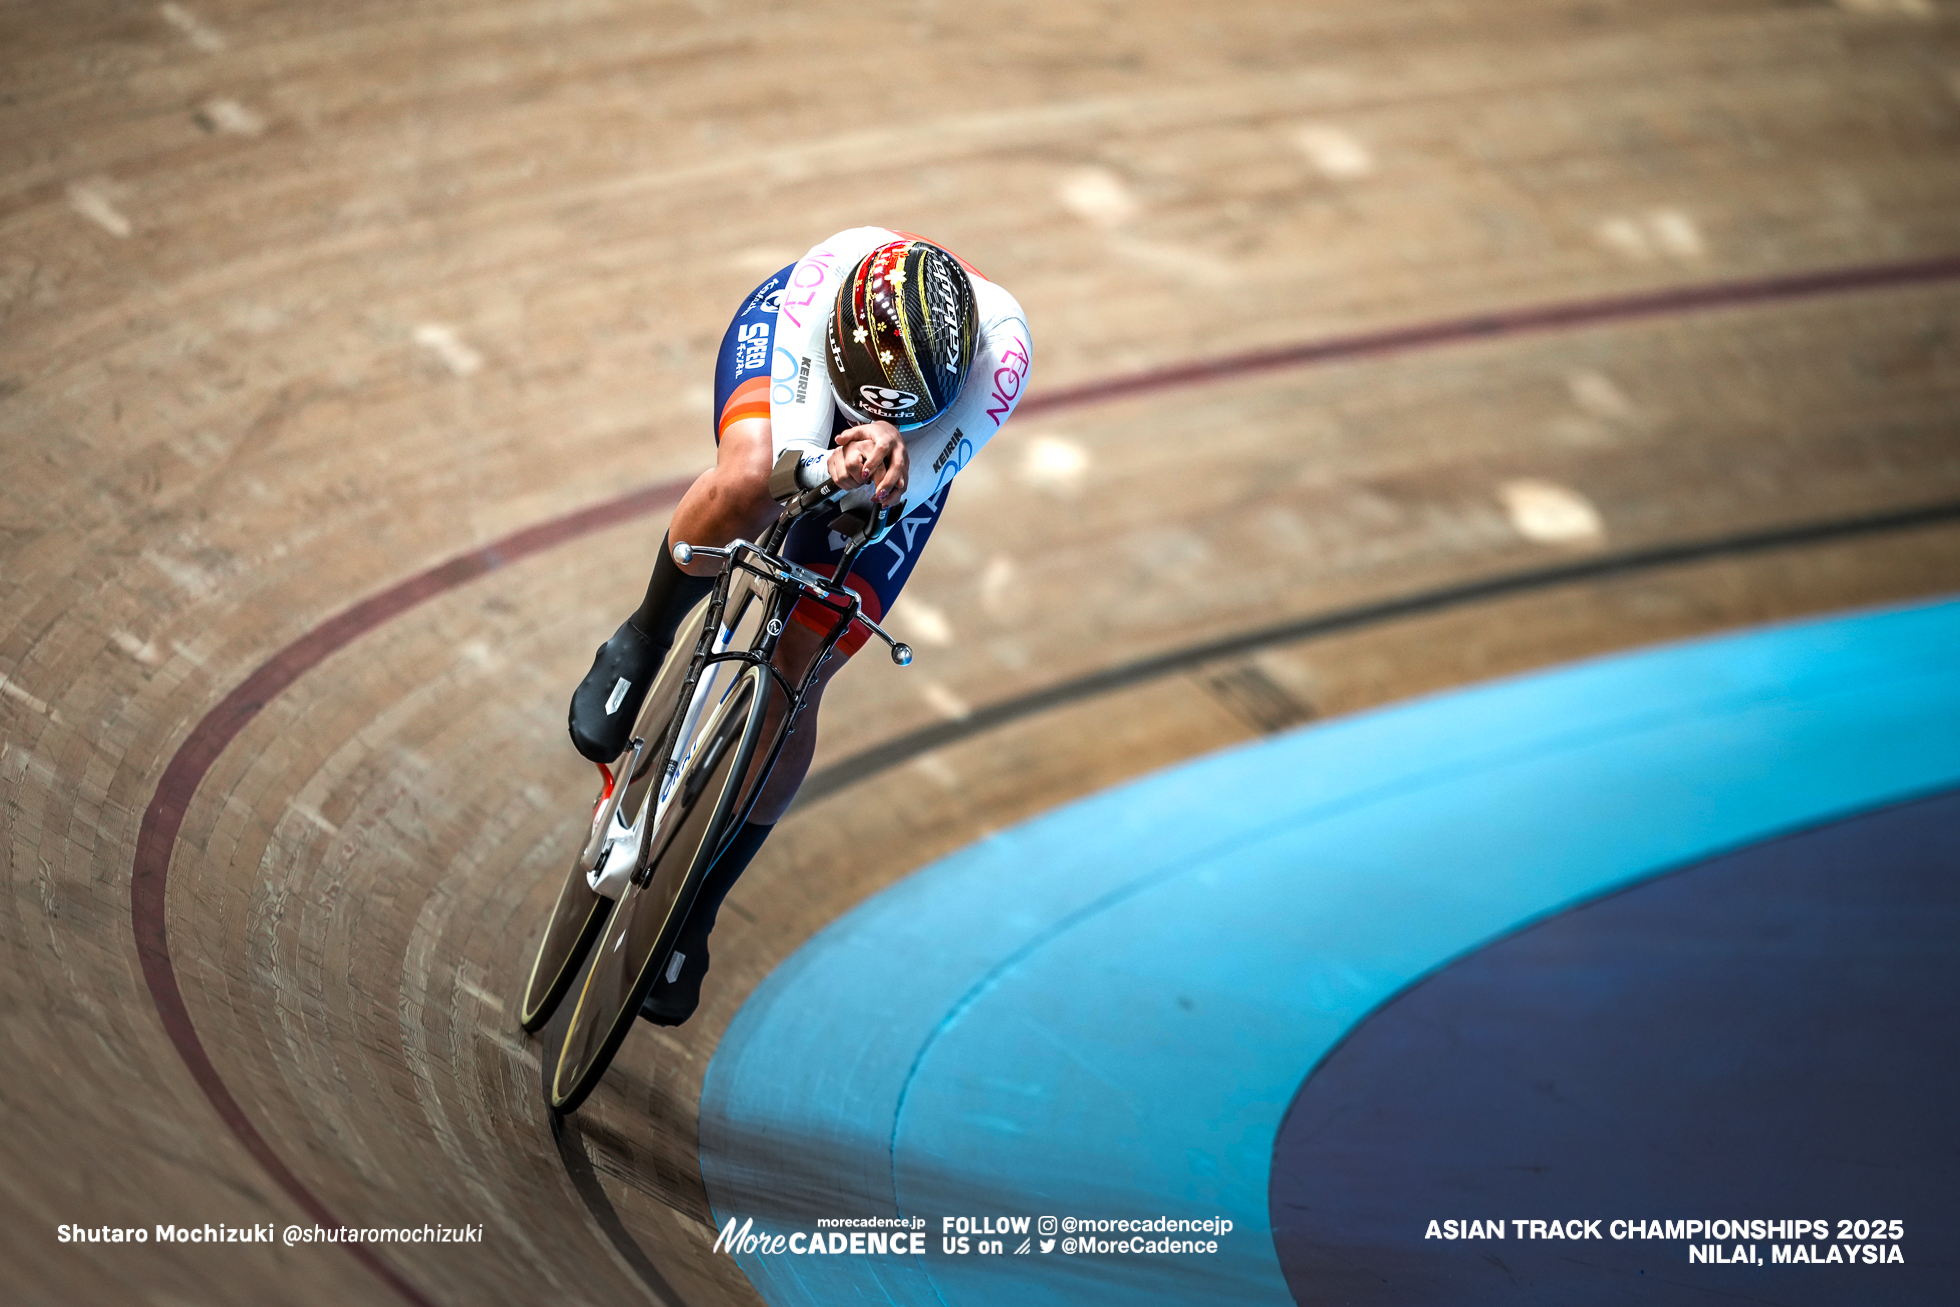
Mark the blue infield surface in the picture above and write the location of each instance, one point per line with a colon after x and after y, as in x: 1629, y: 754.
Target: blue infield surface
x: 1107, y: 1011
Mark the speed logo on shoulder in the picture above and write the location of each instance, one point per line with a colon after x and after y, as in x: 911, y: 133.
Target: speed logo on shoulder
x: 884, y: 401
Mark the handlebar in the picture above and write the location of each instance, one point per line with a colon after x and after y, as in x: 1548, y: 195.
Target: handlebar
x: 798, y: 485
x: 803, y: 578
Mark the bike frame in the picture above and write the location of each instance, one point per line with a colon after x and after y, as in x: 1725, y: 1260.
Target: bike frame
x: 780, y: 585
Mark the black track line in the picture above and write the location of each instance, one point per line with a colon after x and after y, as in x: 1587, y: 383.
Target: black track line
x: 578, y: 1165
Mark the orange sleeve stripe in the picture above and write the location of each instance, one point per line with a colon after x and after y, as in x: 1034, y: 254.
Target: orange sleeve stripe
x: 749, y: 400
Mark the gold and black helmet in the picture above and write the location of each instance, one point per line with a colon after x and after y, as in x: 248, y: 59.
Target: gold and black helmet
x: 901, y: 334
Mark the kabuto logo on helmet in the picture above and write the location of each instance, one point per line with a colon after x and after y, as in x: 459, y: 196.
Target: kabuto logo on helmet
x: 884, y: 401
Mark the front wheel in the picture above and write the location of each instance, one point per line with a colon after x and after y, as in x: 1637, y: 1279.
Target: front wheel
x: 648, y: 916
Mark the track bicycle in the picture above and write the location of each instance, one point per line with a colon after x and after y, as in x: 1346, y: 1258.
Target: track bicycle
x: 665, y: 811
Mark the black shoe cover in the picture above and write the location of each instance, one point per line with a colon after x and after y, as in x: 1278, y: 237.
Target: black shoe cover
x: 672, y: 1002
x: 607, y: 702
x: 677, y: 992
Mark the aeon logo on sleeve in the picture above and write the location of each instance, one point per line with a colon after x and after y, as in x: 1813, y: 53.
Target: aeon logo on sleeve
x: 1007, y: 379
x: 884, y: 401
x: 809, y: 277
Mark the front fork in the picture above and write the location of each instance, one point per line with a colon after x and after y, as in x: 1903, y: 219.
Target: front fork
x: 606, y: 813
x: 624, y: 847
x: 616, y: 848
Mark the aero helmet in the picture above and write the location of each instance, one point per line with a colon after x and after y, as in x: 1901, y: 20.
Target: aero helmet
x: 901, y: 334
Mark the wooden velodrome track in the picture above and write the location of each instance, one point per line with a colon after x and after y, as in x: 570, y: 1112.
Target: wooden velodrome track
x: 305, y: 307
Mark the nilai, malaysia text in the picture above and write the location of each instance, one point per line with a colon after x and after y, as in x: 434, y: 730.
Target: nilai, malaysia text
x: 1843, y: 1244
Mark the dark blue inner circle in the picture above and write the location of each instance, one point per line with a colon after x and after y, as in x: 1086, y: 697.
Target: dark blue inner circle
x: 1770, y: 1034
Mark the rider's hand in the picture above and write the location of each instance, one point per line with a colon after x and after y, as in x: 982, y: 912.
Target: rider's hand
x: 872, y: 452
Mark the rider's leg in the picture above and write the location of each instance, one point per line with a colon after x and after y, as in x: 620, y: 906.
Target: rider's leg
x: 673, y: 1000
x: 730, y: 499
x: 878, y: 576
x: 793, y: 653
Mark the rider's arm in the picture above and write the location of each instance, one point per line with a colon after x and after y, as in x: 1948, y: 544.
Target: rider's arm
x: 1002, y: 356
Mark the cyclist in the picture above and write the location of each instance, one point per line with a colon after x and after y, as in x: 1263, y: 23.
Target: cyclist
x: 886, y: 363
